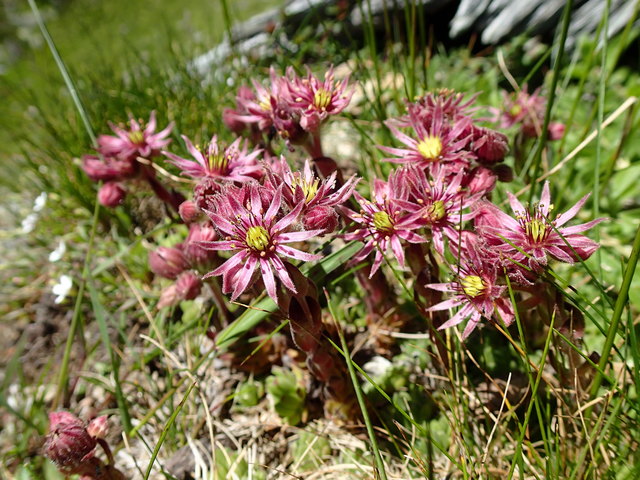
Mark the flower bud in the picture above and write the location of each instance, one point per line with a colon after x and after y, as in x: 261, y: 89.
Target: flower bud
x: 98, y: 427
x: 310, y: 122
x: 111, y: 194
x: 189, y: 212
x: 480, y: 179
x: 555, y: 130
x: 321, y: 218
x: 108, y: 169
x: 193, y: 251
x: 490, y: 146
x: 68, y: 443
x: 167, y: 262
x: 186, y: 287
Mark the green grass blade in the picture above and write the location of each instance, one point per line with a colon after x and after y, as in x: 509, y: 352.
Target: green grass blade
x: 73, y: 91
x: 165, y: 431
x: 101, y: 314
x: 618, y: 309
x: 381, y: 471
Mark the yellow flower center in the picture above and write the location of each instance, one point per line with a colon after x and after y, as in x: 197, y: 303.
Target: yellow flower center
x: 322, y: 99
x: 515, y: 110
x: 258, y: 238
x: 136, y: 137
x: 382, y: 222
x: 536, y: 230
x: 264, y: 103
x: 430, y: 147
x: 436, y: 211
x: 308, y: 188
x: 218, y: 163
x: 472, y: 285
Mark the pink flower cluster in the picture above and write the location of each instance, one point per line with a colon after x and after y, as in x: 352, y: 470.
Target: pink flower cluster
x: 117, y: 160
x: 293, y: 107
x: 527, y: 111
x: 257, y: 221
x: 250, y: 202
x: 450, y: 166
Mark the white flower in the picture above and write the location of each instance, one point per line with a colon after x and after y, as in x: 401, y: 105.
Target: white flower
x: 58, y: 253
x: 40, y: 202
x: 62, y: 288
x: 29, y: 222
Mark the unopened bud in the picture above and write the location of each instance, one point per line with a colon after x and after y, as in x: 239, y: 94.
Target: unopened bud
x: 204, y: 191
x: 106, y: 169
x: 98, y: 427
x: 490, y: 146
x: 111, y: 194
x: 481, y: 179
x: 167, y: 262
x: 68, y: 443
x: 193, y: 250
x: 189, y: 212
x: 321, y: 218
x: 186, y: 287
x: 555, y: 130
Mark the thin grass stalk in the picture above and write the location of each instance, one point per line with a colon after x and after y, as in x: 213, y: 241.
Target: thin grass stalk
x: 580, y: 463
x: 73, y: 91
x: 371, y: 42
x: 566, y: 19
x: 76, y: 319
x: 533, y: 401
x: 100, y: 314
x: 410, y: 19
x: 621, y: 303
x: 227, y: 21
x: 166, y: 429
x: 601, y: 96
x: 356, y: 386
x: 623, y: 38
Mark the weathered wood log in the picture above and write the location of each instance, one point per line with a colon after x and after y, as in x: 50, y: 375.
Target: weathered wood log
x: 495, y: 21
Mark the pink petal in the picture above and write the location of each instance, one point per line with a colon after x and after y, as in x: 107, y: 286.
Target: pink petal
x: 294, y: 253
x: 244, y: 277
x: 446, y: 305
x: 228, y: 265
x: 194, y: 152
x: 274, y: 207
x: 581, y: 228
x: 268, y: 279
x: 463, y: 313
x: 545, y: 199
x: 516, y: 205
x: 572, y: 212
x: 297, y: 236
x: 151, y: 126
x: 282, y: 273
